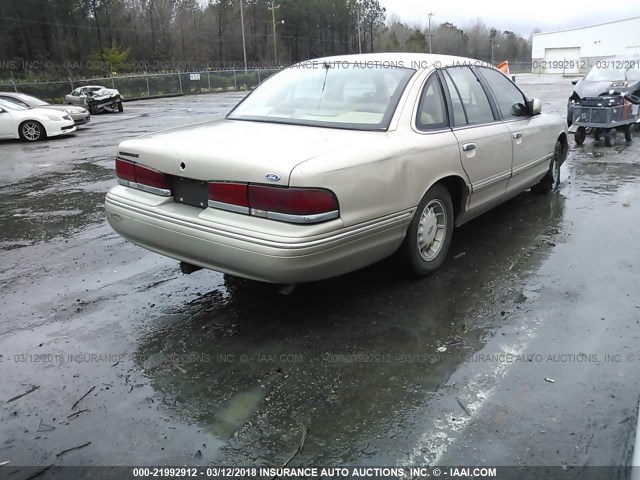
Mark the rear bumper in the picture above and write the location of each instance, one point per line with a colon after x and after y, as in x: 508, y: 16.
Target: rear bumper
x: 179, y: 232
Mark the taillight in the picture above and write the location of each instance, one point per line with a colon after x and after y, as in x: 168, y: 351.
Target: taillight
x: 297, y: 205
x: 229, y: 196
x: 125, y: 170
x: 142, y: 178
x: 292, y: 201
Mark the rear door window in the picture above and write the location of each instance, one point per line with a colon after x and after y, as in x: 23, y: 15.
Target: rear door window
x: 469, y: 96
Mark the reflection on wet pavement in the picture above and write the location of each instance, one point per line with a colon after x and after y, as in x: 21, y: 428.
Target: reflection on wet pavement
x: 54, y: 205
x: 346, y: 356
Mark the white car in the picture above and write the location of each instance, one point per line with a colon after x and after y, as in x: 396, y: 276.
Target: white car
x: 32, y: 124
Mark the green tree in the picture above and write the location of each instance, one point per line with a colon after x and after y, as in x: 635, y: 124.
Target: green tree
x: 112, y: 60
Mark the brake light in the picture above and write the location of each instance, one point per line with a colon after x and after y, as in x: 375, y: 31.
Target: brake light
x: 297, y: 205
x: 125, y: 170
x: 142, y: 178
x: 229, y: 196
x: 292, y: 201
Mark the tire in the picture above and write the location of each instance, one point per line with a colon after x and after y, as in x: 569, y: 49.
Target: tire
x: 425, y: 249
x: 92, y: 110
x: 580, y: 135
x: 628, y: 133
x: 120, y: 108
x: 597, y: 134
x: 610, y: 137
x: 551, y: 180
x: 32, y: 131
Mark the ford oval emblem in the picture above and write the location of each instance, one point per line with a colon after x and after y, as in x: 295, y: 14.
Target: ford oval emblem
x: 272, y: 177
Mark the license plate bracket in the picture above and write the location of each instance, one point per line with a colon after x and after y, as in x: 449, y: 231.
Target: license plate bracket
x: 190, y: 192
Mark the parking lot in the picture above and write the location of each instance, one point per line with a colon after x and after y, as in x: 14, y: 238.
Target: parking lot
x: 522, y: 350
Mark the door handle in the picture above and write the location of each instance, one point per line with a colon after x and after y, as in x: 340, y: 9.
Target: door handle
x: 467, y: 147
x: 517, y: 135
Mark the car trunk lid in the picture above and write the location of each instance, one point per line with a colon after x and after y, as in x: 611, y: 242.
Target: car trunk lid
x: 233, y: 150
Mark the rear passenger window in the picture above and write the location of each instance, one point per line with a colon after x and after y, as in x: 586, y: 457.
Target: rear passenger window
x: 470, y: 94
x: 431, y: 110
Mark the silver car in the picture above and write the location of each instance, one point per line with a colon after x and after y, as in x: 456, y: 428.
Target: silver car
x: 80, y: 115
x: 96, y: 99
x: 334, y: 164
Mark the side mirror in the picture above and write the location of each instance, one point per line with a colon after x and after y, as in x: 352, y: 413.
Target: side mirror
x: 535, y: 106
x: 519, y: 110
x: 575, y: 81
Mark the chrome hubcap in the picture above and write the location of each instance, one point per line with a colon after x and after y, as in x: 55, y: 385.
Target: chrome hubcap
x: 31, y: 131
x: 432, y: 229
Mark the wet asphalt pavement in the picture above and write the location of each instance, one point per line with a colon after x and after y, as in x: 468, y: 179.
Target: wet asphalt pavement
x: 522, y: 350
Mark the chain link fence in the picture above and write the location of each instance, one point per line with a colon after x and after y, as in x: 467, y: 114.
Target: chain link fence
x: 165, y: 84
x: 148, y: 85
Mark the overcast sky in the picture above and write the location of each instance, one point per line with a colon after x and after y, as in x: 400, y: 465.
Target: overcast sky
x: 518, y: 16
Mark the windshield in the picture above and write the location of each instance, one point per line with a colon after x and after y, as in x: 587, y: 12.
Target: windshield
x: 338, y: 95
x: 605, y: 75
x: 11, y: 105
x: 33, y: 101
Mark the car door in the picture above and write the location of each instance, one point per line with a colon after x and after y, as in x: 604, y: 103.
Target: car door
x: 484, y: 142
x: 76, y: 97
x: 7, y: 124
x: 532, y: 144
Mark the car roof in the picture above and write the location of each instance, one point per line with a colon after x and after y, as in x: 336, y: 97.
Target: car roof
x: 417, y: 61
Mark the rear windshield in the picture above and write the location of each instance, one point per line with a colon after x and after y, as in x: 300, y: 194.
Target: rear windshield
x: 339, y: 95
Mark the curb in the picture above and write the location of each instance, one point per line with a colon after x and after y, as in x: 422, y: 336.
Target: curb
x: 635, y: 462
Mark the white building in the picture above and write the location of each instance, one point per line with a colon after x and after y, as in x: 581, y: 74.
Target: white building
x: 574, y: 50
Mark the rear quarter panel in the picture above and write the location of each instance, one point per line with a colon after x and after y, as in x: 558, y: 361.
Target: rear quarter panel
x: 382, y: 172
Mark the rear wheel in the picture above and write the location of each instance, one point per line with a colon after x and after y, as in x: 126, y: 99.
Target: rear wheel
x: 580, y: 135
x: 610, y: 137
x: 32, y: 131
x: 120, y: 108
x: 628, y: 132
x: 429, y: 235
x: 552, y: 179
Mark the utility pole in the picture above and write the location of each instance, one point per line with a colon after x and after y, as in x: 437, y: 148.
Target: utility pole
x: 244, y: 45
x: 493, y: 43
x: 359, y: 41
x: 273, y: 20
x: 430, y: 36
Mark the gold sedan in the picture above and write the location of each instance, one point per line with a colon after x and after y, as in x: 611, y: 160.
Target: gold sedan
x: 336, y: 163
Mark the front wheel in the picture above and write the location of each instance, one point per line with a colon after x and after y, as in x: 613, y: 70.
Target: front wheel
x: 429, y: 234
x: 552, y: 179
x: 580, y: 135
x: 120, y: 107
x: 32, y: 131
